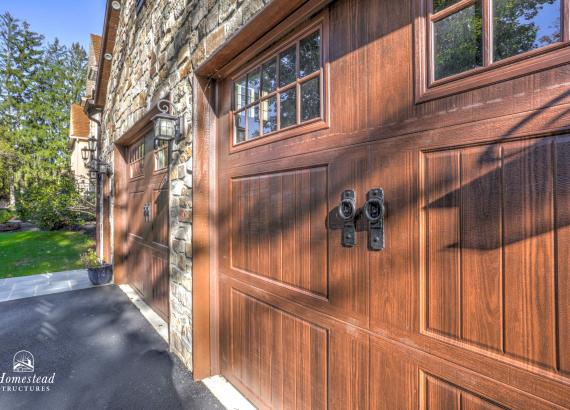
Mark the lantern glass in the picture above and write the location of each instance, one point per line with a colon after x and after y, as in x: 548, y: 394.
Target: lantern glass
x: 92, y: 142
x: 85, y: 154
x: 164, y: 127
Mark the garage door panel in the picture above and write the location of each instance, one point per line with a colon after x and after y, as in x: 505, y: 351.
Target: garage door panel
x: 281, y: 358
x: 135, y: 223
x: 489, y: 260
x: 278, y: 227
x: 440, y: 394
x: 159, y: 290
x: 394, y: 270
x: 148, y: 227
x: 160, y: 218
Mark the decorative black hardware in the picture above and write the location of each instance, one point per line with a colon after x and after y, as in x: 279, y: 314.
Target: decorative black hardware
x: 146, y: 212
x: 374, y: 212
x: 347, y: 213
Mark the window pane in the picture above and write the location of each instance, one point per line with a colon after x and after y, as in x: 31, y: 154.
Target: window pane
x: 240, y: 126
x: 310, y: 54
x: 288, y: 115
x: 311, y: 99
x: 287, y: 66
x: 523, y: 25
x: 458, y: 42
x: 439, y: 5
x: 253, y: 83
x: 269, y: 77
x: 239, y: 93
x: 253, y: 122
x: 269, y: 113
x: 161, y: 159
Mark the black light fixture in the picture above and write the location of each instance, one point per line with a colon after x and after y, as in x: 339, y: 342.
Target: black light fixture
x: 95, y: 165
x: 92, y: 144
x: 167, y: 127
x: 85, y: 154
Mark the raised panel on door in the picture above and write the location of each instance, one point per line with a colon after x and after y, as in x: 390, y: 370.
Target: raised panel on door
x: 493, y: 242
x: 283, y: 231
x: 279, y: 358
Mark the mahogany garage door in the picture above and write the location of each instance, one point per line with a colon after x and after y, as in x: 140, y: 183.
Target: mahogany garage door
x: 147, y: 225
x: 426, y: 270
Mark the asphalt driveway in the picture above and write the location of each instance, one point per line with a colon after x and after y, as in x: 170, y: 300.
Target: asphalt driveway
x: 103, y: 352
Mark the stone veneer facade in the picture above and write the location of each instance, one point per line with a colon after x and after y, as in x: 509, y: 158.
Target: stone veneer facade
x: 155, y: 55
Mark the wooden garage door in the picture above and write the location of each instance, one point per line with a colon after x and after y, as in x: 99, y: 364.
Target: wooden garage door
x: 147, y: 232
x: 466, y: 307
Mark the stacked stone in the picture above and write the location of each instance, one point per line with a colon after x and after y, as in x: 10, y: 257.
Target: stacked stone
x: 155, y: 55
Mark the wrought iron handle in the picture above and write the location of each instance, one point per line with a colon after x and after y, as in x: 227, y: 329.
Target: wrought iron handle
x: 374, y: 211
x: 146, y: 212
x: 347, y: 213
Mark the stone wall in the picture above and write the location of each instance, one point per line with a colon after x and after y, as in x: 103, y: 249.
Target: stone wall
x: 155, y: 55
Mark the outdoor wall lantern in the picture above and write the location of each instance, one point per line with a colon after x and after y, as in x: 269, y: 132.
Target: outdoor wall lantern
x: 85, y: 154
x: 92, y: 144
x: 95, y: 165
x: 167, y: 127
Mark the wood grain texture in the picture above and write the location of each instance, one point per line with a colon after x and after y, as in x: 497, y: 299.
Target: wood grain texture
x: 490, y: 219
x: 283, y: 363
x: 440, y: 394
x: 278, y: 220
x: 562, y: 215
x: 476, y: 191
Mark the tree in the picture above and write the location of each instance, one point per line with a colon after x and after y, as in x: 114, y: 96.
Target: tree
x: 38, y: 85
x: 20, y: 59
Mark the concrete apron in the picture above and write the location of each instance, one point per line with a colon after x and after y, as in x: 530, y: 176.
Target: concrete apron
x: 227, y: 394
x: 43, y: 284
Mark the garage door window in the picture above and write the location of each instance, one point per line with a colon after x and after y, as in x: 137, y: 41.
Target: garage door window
x: 283, y: 91
x: 136, y: 160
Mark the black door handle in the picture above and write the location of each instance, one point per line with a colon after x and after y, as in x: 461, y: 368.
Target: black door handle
x: 347, y: 213
x: 146, y: 212
x: 374, y: 211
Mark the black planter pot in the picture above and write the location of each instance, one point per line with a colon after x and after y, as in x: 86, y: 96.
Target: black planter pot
x: 101, y: 275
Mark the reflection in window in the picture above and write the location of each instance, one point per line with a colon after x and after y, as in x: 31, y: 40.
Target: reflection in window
x: 253, y: 85
x: 269, y: 77
x: 253, y: 122
x: 268, y: 97
x: 136, y: 160
x: 514, y: 26
x: 239, y: 93
x: 161, y: 155
x: 523, y: 25
x: 310, y: 54
x: 240, y: 126
x: 287, y: 66
x: 269, y: 113
x: 458, y: 42
x: 439, y: 5
x: 310, y: 99
x: 288, y: 108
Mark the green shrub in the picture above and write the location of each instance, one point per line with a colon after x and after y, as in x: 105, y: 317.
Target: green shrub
x: 50, y: 202
x: 5, y: 215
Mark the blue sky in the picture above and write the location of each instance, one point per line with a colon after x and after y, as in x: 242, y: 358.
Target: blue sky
x: 69, y: 20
